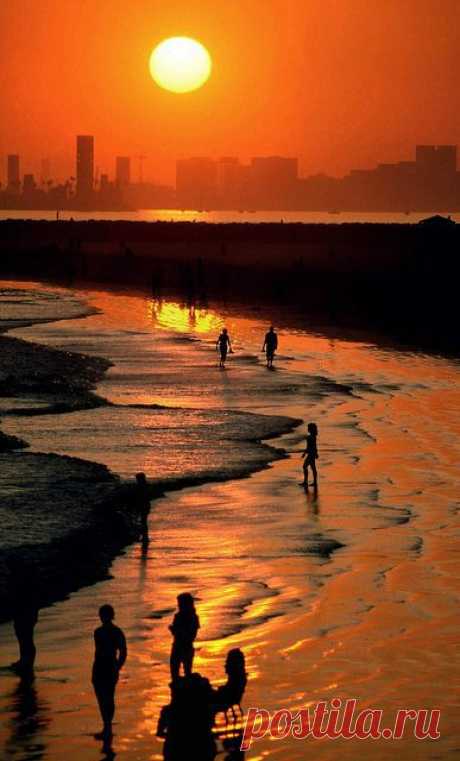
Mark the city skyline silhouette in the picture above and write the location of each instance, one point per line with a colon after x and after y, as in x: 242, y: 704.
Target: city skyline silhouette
x: 429, y: 182
x: 340, y: 85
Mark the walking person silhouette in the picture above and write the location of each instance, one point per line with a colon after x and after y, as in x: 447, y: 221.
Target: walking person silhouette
x: 110, y: 656
x: 310, y: 455
x: 184, y: 629
x: 142, y: 501
x: 224, y: 345
x: 270, y: 346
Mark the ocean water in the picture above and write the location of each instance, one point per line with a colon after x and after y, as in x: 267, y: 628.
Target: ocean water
x: 21, y: 306
x: 349, y: 593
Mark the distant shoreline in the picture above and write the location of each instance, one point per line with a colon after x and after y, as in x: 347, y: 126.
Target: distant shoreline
x: 223, y: 216
x: 399, y: 280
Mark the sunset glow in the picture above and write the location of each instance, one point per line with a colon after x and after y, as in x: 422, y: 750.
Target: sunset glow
x: 180, y: 64
x: 229, y: 380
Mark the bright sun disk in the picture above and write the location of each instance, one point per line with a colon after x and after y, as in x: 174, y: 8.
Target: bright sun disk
x: 180, y: 64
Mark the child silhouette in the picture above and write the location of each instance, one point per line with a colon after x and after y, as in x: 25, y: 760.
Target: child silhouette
x: 310, y: 455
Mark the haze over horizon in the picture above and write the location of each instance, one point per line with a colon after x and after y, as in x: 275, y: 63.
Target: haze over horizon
x: 339, y: 83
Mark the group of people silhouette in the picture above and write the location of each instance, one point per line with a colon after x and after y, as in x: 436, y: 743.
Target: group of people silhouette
x: 270, y: 345
x: 190, y: 716
x: 188, y: 720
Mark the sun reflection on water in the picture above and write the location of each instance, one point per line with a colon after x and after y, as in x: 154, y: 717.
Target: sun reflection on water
x: 184, y: 318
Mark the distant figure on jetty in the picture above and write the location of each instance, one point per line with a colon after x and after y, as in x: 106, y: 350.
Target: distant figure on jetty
x: 231, y: 693
x: 142, y: 499
x: 310, y: 455
x: 184, y: 629
x: 25, y: 614
x: 224, y: 345
x: 270, y: 346
x: 110, y: 656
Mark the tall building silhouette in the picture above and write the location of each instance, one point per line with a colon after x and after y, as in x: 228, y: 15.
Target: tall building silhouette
x: 45, y: 171
x: 436, y: 159
x: 122, y: 171
x: 196, y: 182
x: 273, y: 181
x: 13, y: 181
x: 85, y: 167
x: 232, y: 181
x: 436, y: 174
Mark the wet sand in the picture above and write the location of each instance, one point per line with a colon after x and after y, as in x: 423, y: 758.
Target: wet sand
x: 352, y: 594
x: 53, y: 506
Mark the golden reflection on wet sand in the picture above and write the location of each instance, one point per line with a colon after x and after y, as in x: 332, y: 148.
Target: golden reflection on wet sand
x: 375, y: 620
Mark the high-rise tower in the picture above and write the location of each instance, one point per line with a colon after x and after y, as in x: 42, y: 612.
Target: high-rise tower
x: 85, y: 167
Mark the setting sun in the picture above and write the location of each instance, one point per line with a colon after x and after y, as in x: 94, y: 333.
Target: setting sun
x: 180, y: 64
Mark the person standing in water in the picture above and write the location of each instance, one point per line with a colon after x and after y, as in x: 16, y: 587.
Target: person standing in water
x: 109, y: 658
x: 270, y: 346
x: 310, y: 455
x: 184, y: 629
x: 25, y: 613
x: 142, y: 499
x: 224, y: 345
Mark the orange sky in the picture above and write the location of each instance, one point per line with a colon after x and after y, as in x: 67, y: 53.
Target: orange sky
x: 339, y: 83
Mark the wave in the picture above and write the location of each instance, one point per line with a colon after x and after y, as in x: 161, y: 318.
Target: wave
x: 67, y: 515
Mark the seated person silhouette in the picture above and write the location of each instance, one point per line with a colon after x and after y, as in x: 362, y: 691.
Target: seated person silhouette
x: 186, y: 723
x: 231, y: 693
x: 184, y: 628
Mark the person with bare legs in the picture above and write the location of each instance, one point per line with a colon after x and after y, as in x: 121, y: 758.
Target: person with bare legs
x: 224, y: 345
x: 142, y: 500
x: 270, y: 346
x: 184, y: 629
x: 110, y: 656
x: 310, y: 455
x: 25, y: 607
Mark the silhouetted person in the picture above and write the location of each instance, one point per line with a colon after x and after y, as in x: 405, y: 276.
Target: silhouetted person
x: 186, y: 723
x: 224, y: 345
x: 184, y: 629
x: 109, y: 658
x: 310, y: 455
x: 231, y: 693
x: 24, y: 597
x: 270, y: 346
x: 142, y: 499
